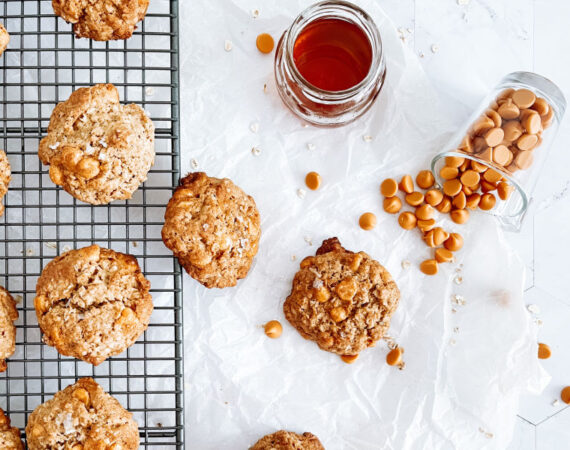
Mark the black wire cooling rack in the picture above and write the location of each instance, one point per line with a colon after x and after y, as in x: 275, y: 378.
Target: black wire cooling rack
x: 44, y: 63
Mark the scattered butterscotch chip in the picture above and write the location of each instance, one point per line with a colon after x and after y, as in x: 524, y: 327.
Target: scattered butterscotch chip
x: 407, y: 220
x: 424, y: 212
x: 444, y: 206
x: 443, y: 255
x: 429, y: 266
x: 273, y: 329
x: 565, y: 395
x: 504, y: 190
x: 367, y: 221
x: 452, y: 187
x: 265, y: 43
x: 470, y: 178
x: 389, y: 187
x: 454, y: 242
x: 349, y: 359
x: 394, y: 356
x: 544, y: 351
x: 392, y: 205
x: 426, y: 225
x: 487, y: 202
x: 459, y: 216
x: 454, y: 161
x: 486, y: 186
x: 472, y: 201
x: 478, y: 167
x: 439, y: 236
x: 433, y: 197
x: 407, y: 184
x: 425, y: 179
x: 460, y: 201
x: 492, y: 176
x: 448, y: 173
x: 415, y: 198
x: 313, y: 180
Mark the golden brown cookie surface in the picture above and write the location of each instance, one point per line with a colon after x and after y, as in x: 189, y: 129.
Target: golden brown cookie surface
x: 213, y: 228
x: 5, y: 177
x: 341, y: 300
x: 287, y: 440
x: 102, y: 20
x: 9, y: 435
x: 82, y: 415
x: 92, y: 303
x: 8, y: 315
x: 98, y: 149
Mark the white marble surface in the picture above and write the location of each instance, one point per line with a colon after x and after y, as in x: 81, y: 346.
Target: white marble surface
x: 465, y: 47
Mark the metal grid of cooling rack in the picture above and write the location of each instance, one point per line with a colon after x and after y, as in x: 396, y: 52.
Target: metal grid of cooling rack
x: 44, y: 63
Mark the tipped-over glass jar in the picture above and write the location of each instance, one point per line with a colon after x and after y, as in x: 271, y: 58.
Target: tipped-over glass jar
x: 498, y: 156
x: 329, y: 64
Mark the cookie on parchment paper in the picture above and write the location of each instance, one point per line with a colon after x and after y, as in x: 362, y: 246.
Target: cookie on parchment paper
x: 341, y: 300
x: 8, y: 315
x: 4, y: 39
x: 98, y: 149
x: 5, y: 177
x: 9, y: 435
x: 287, y: 440
x: 213, y: 228
x: 82, y: 416
x: 92, y: 303
x: 102, y: 20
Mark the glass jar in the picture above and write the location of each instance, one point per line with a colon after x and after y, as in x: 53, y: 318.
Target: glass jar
x: 327, y: 107
x: 527, y: 130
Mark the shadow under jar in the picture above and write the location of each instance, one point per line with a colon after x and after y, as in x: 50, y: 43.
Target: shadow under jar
x: 500, y: 152
x: 329, y: 64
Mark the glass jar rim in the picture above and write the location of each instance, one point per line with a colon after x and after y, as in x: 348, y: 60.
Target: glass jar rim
x: 363, y: 21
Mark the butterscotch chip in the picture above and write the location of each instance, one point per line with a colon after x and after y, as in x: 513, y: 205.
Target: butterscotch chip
x: 508, y: 110
x: 5, y: 178
x: 287, y: 440
x: 389, y: 187
x: 66, y: 420
x: 444, y: 206
x: 439, y: 236
x: 482, y: 124
x: 527, y: 142
x: 429, y: 239
x: 470, y: 178
x: 452, y: 187
x: 492, y: 176
x: 392, y: 205
x: 467, y: 190
x: 565, y: 395
x: 415, y: 198
x: 466, y: 144
x: 407, y: 184
x: 426, y: 225
x: 495, y: 117
x: 92, y: 303
x: 531, y: 122
x: 429, y: 267
x: 98, y: 150
x: 504, y: 190
x: 442, y: 255
x: 478, y: 167
x: 8, y: 315
x: 459, y: 201
x: 544, y: 351
x: 548, y: 118
x: 513, y: 130
x: 9, y: 435
x: 459, y: 216
x: 541, y: 106
x: 472, y: 201
x: 479, y: 144
x: 273, y: 329
x: 454, y: 242
x: 523, y: 98
x: 394, y: 356
x: 424, y: 212
x: 344, y: 325
x: 349, y: 359
x: 501, y: 155
x: 485, y: 155
x: 433, y: 197
x: 367, y: 221
x: 487, y: 186
x: 487, y: 202
x: 505, y: 94
x: 425, y: 179
x: 313, y: 180
x: 494, y: 136
x: 103, y: 20
x: 524, y: 160
x: 454, y: 161
x: 448, y: 173
x: 465, y: 166
x: 213, y: 227
x: 407, y: 220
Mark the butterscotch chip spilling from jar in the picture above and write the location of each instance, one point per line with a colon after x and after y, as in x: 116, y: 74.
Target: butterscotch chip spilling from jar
x: 407, y: 184
x: 459, y: 216
x: 415, y: 198
x: 367, y: 221
x: 407, y: 220
x: 487, y: 202
x: 544, y: 351
x: 395, y: 356
x: 313, y: 180
x: 433, y: 197
x: 425, y: 179
x: 273, y: 329
x: 389, y: 187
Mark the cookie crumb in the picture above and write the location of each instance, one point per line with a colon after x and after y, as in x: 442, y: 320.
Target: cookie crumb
x: 308, y: 240
x: 256, y: 151
x: 301, y: 193
x: 149, y: 91
x: 293, y: 257
x: 228, y: 45
x: 51, y: 244
x: 458, y: 279
x: 311, y: 146
x: 556, y: 402
x: 367, y: 138
x: 255, y: 13
x: 254, y: 127
x: 533, y: 309
x: 434, y: 48
x: 194, y: 163
x: 406, y: 264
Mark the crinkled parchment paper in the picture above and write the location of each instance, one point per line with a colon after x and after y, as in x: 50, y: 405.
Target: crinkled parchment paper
x: 465, y: 364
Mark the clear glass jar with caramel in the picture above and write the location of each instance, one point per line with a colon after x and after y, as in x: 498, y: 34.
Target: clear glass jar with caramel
x: 499, y: 154
x: 329, y: 64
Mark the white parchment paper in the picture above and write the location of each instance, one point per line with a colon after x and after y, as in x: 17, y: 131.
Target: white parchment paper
x: 465, y: 364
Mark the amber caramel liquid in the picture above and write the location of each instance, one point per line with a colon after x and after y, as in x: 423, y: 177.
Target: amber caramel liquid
x: 332, y: 54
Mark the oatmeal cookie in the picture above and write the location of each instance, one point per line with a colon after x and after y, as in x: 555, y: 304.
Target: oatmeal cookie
x: 287, y: 440
x: 9, y: 435
x: 102, y: 20
x: 8, y: 315
x: 4, y: 39
x: 82, y: 416
x: 213, y: 228
x: 5, y: 177
x: 341, y: 300
x: 98, y: 150
x: 92, y: 303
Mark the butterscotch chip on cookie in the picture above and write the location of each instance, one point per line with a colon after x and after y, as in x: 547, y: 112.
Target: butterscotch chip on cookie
x: 341, y: 300
x: 287, y: 440
x: 92, y: 303
x: 82, y: 416
x: 98, y: 150
x: 213, y: 228
x: 9, y: 435
x: 102, y: 20
x: 5, y: 177
x: 8, y: 315
x: 4, y: 39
